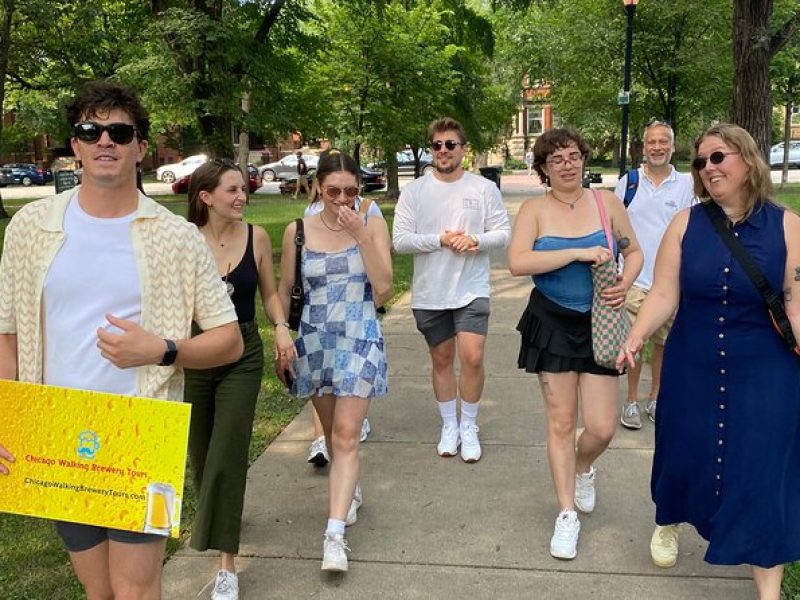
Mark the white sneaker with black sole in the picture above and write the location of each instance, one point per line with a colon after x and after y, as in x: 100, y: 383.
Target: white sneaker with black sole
x: 318, y: 452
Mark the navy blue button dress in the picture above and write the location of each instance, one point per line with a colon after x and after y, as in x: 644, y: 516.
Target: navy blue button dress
x: 727, y: 453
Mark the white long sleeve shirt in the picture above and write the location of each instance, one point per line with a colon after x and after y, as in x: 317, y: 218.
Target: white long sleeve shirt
x: 428, y: 207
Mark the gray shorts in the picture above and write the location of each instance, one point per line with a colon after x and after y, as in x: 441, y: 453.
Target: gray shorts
x: 440, y: 325
x: 78, y: 537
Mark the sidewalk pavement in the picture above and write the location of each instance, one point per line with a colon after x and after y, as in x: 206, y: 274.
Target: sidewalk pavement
x: 435, y: 528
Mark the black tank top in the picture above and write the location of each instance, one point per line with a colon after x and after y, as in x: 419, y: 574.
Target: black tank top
x: 242, y: 282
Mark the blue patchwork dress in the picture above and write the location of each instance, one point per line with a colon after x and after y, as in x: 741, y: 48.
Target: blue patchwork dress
x: 340, y: 344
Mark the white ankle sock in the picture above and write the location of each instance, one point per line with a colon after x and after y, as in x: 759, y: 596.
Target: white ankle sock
x: 469, y: 412
x: 335, y: 526
x: 448, y: 412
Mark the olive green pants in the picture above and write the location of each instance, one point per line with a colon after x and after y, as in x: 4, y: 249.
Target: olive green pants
x: 223, y: 403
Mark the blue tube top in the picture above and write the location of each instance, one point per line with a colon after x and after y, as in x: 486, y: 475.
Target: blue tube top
x: 571, y: 285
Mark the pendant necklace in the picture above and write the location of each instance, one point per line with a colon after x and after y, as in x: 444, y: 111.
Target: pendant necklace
x: 321, y: 218
x: 570, y: 204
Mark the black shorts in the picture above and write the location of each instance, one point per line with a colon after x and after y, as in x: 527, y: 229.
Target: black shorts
x: 440, y: 325
x: 78, y: 537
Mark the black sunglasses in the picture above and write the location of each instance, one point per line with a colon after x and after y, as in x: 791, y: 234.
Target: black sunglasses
x: 90, y: 132
x: 699, y: 163
x: 449, y: 144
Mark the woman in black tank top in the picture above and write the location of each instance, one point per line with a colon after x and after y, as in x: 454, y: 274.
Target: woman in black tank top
x: 224, y: 399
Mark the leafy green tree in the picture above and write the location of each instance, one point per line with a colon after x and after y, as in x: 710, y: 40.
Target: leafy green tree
x: 785, y: 76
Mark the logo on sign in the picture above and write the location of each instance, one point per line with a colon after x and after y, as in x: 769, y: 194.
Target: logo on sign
x: 88, y: 444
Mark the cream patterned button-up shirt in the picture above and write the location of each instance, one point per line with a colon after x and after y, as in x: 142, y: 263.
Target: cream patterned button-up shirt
x: 178, y: 277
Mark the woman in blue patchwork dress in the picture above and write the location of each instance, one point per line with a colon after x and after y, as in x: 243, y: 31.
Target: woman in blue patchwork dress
x: 339, y: 360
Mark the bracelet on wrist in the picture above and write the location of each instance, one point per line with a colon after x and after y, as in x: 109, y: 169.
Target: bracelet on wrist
x: 283, y: 323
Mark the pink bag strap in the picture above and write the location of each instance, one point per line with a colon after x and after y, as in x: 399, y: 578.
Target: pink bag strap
x: 603, y: 219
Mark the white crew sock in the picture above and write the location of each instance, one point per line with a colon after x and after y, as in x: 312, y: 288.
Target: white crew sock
x: 335, y: 526
x: 469, y: 412
x: 448, y: 411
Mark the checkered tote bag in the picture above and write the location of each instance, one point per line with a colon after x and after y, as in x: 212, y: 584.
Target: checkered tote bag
x: 610, y: 326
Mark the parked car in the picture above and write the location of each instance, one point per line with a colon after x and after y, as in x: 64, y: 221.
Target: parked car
x: 181, y: 185
x: 372, y: 180
x: 405, y: 163
x: 286, y: 167
x: 776, y: 155
x: 171, y: 172
x: 26, y: 174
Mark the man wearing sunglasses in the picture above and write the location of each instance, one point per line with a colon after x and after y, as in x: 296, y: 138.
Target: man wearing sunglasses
x: 661, y: 193
x: 99, y: 287
x: 449, y: 221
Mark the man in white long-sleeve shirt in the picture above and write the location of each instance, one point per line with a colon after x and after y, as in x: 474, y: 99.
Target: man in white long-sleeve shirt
x: 449, y: 221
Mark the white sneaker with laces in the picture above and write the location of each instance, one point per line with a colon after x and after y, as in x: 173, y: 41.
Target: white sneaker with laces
x: 470, y: 445
x: 318, y: 452
x: 226, y: 586
x: 651, y: 409
x: 564, y: 543
x: 664, y: 546
x: 355, y: 504
x: 334, y: 553
x: 449, y: 440
x: 365, y: 430
x: 631, y: 416
x: 585, y: 492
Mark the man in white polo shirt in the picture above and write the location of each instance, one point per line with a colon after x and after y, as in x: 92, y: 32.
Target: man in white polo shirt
x: 653, y: 193
x: 448, y: 221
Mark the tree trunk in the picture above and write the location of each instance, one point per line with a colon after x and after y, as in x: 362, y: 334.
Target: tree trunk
x: 752, y: 97
x: 244, y: 143
x: 392, y: 183
x: 5, y: 46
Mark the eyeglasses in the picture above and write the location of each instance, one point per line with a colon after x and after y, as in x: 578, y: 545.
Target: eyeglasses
x: 449, y: 144
x: 334, y: 192
x: 560, y: 160
x: 699, y: 163
x: 90, y: 132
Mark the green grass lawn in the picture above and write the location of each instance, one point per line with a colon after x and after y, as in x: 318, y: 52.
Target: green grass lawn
x: 34, y: 563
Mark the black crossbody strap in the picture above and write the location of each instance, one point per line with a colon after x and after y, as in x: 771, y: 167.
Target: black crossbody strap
x: 771, y: 298
x: 299, y: 240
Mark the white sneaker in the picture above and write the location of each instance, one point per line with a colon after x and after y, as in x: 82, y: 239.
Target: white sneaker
x: 585, y: 493
x: 631, y: 416
x: 365, y: 430
x: 334, y: 552
x: 318, y: 452
x: 226, y: 586
x: 355, y: 504
x: 651, y: 409
x: 470, y: 446
x: 664, y: 546
x: 564, y: 543
x: 448, y: 442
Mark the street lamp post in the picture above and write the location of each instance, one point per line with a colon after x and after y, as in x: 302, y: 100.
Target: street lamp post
x: 625, y: 96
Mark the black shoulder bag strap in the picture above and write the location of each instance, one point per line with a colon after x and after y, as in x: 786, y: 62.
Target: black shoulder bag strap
x: 296, y: 303
x: 772, y: 299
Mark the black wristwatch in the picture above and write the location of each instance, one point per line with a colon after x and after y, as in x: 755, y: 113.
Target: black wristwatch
x: 170, y: 355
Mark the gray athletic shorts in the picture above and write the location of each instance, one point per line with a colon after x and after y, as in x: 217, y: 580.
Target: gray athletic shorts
x: 78, y: 537
x: 440, y: 325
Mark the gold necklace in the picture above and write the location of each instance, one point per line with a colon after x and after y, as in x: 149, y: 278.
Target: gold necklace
x: 321, y: 218
x: 570, y: 204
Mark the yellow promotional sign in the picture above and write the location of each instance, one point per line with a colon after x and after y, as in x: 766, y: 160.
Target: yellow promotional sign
x: 89, y: 457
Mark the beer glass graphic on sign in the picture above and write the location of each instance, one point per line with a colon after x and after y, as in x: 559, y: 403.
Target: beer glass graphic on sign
x: 160, y: 502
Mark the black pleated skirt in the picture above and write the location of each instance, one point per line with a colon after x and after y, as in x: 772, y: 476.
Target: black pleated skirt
x: 556, y: 339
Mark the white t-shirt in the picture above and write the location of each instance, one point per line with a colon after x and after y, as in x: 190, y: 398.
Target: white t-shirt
x: 427, y: 207
x: 94, y: 273
x: 650, y: 212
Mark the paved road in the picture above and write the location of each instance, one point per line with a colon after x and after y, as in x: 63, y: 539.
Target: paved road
x: 434, y: 528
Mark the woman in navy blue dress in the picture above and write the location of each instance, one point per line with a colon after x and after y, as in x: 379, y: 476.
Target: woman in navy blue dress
x: 727, y: 454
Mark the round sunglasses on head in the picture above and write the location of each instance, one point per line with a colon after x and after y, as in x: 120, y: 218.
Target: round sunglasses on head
x: 715, y: 158
x: 90, y: 132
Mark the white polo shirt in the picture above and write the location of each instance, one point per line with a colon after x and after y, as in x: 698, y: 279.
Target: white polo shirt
x: 651, y: 210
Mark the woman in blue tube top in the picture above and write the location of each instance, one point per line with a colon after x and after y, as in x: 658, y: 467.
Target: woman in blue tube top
x: 556, y: 240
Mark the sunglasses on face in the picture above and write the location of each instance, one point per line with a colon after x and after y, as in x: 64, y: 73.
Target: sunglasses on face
x: 699, y: 163
x: 449, y: 144
x: 90, y: 132
x: 334, y: 192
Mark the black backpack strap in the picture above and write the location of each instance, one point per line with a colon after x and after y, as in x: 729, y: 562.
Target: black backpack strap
x: 771, y: 298
x: 299, y: 240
